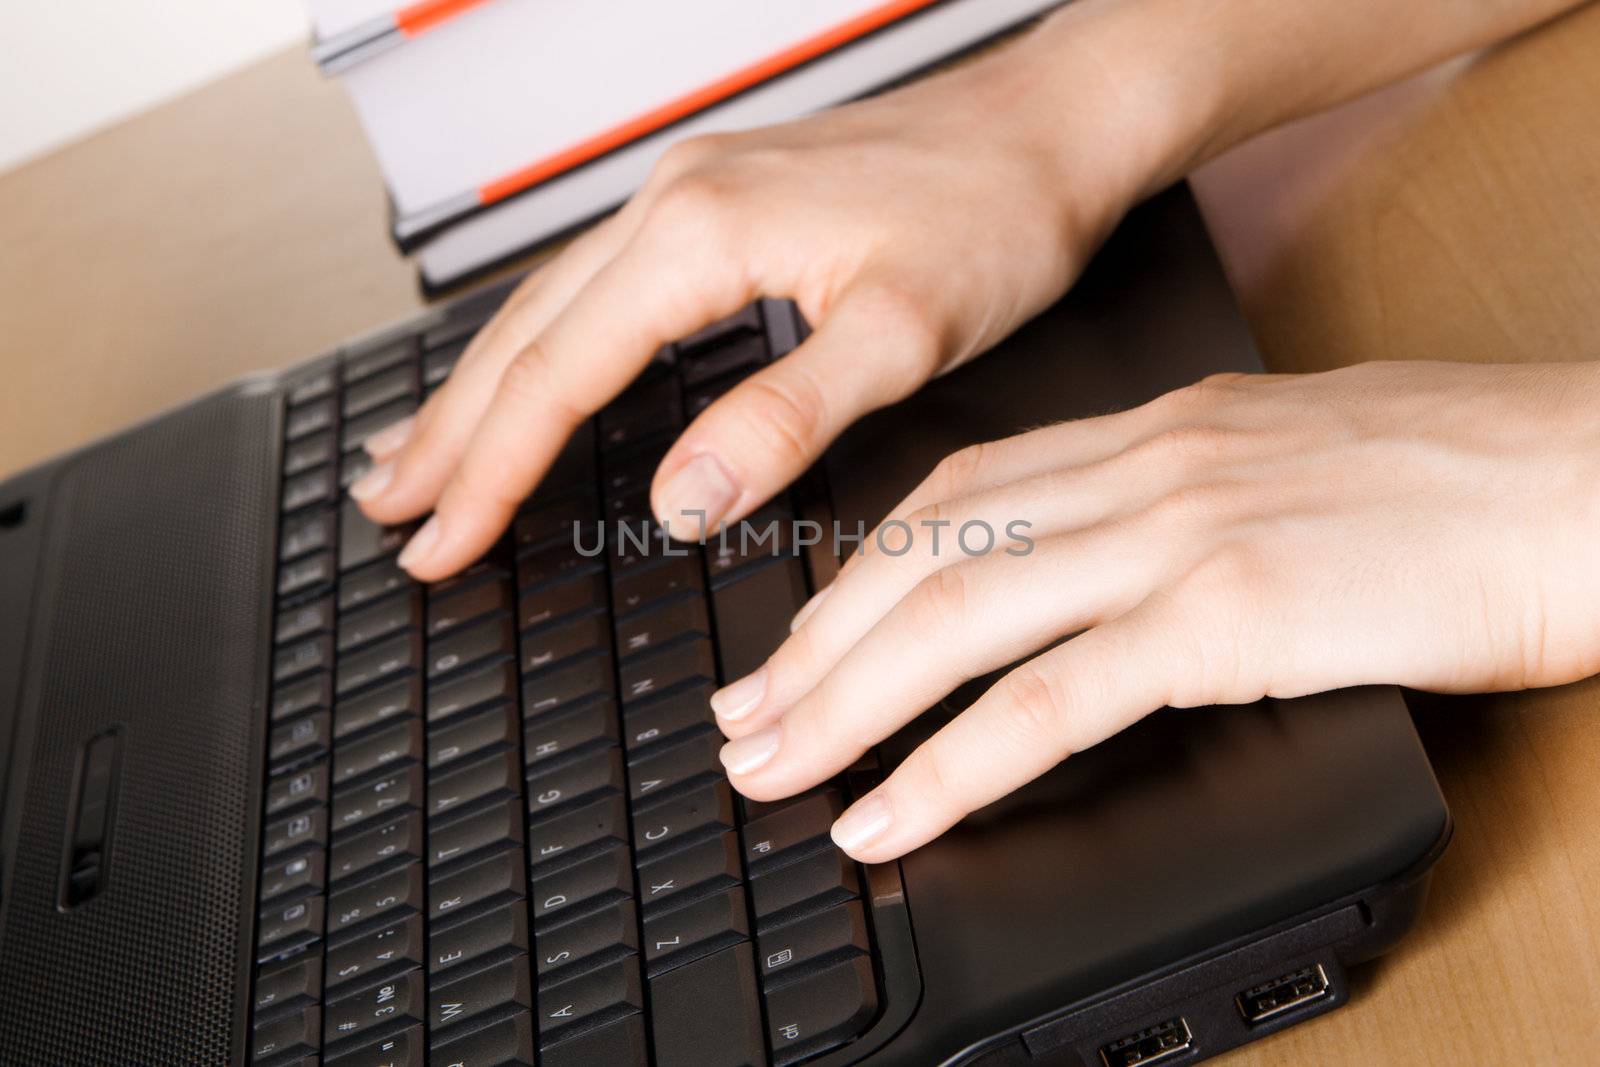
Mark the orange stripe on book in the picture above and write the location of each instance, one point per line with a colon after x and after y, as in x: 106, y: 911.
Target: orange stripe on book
x: 698, y: 100
x: 424, y: 16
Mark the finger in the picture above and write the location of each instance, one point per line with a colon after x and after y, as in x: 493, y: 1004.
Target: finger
x: 1059, y: 703
x: 963, y: 622
x: 657, y: 288
x: 414, y: 461
x: 1114, y: 493
x: 771, y: 427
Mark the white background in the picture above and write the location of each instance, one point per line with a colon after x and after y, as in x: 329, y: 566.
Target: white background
x: 70, y: 67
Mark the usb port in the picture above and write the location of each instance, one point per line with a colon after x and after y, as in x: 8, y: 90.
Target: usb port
x: 1284, y: 993
x: 1155, y: 1044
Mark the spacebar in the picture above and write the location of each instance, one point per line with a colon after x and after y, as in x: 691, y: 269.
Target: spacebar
x: 753, y: 614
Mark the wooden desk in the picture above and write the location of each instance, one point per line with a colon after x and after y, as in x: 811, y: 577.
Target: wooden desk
x: 1456, y: 217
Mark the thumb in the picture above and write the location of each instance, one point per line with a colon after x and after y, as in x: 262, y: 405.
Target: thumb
x: 872, y: 349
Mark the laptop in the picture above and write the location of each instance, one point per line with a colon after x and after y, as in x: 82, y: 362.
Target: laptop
x: 268, y: 801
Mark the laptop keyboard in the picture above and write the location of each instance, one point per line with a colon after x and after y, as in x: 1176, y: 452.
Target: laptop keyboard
x: 497, y: 831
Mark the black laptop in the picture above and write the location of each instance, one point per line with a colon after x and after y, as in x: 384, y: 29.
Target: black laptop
x: 268, y: 801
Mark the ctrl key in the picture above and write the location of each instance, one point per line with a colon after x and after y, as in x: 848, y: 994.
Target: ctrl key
x: 821, y: 1011
x: 296, y: 1031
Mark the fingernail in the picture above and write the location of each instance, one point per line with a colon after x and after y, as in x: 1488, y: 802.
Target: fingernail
x: 807, y: 609
x: 736, y: 701
x: 866, y: 820
x: 421, y: 545
x: 388, y: 440
x: 751, y: 753
x: 373, y: 483
x: 703, y: 485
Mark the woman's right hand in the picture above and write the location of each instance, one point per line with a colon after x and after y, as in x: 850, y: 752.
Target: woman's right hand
x: 914, y: 230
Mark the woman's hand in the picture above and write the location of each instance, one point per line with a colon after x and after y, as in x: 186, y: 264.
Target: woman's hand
x: 1425, y: 524
x: 914, y: 230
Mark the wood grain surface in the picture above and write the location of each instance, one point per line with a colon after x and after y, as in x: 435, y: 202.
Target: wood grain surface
x: 1454, y: 217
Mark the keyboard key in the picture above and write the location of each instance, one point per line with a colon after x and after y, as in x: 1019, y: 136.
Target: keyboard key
x: 437, y: 363
x: 313, y: 385
x: 620, y: 1043
x: 307, y: 694
x: 666, y: 770
x: 557, y: 733
x: 400, y: 943
x: 504, y: 927
x: 573, y: 466
x: 662, y: 624
x: 707, y: 809
x: 686, y: 1034
x: 313, y: 487
x: 389, y: 894
x: 296, y: 1031
x: 397, y: 999
x: 311, y: 654
x: 582, y: 594
x: 294, y: 831
x: 668, y: 667
x: 370, y: 583
x: 307, y: 453
x: 578, y: 831
x: 738, y: 354
x: 282, y: 925
x: 683, y: 935
x: 491, y: 828
x: 645, y: 409
x: 804, y: 823
x: 470, y: 737
x: 291, y: 792
x: 609, y: 991
x: 761, y: 538
x: 313, y: 618
x: 552, y: 564
x: 583, y: 886
x: 379, y: 389
x: 483, y: 570
x: 404, y: 1049
x: 291, y: 980
x: 458, y: 999
x: 553, y: 522
x: 399, y: 789
x: 820, y: 1011
x: 612, y: 931
x: 470, y: 645
x: 308, y: 532
x: 353, y: 466
x: 577, y: 680
x: 303, y: 575
x: 396, y: 655
x: 445, y: 613
x: 675, y: 575
x: 362, y: 541
x: 293, y: 875
x: 840, y: 930
x: 496, y: 775
x: 500, y: 877
x: 355, y: 432
x: 474, y: 689
x: 372, y: 359
x: 546, y: 647
x: 309, y: 418
x: 694, y: 871
x: 393, y: 744
x: 653, y: 722
x: 393, y: 700
x: 825, y: 877
x: 506, y: 1043
x: 397, y: 838
x: 596, y: 771
x: 746, y: 320
x: 753, y: 614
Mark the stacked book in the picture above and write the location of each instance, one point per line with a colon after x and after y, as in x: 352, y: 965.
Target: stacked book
x: 503, y: 124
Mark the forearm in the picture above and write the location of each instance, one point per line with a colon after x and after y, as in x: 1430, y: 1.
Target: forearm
x: 1188, y: 79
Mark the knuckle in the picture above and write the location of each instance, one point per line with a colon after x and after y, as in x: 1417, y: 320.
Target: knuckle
x: 1037, y: 708
x: 785, y: 412
x: 959, y: 472
x: 530, y: 381
x: 1193, y: 505
x: 698, y: 203
x: 931, y: 776
x: 939, y: 601
x: 907, y: 321
x: 689, y: 153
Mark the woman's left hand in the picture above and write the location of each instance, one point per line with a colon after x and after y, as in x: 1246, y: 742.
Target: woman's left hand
x: 1426, y: 524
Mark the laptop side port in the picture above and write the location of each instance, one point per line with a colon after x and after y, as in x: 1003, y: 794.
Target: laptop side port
x: 1283, y: 994
x: 1154, y: 1044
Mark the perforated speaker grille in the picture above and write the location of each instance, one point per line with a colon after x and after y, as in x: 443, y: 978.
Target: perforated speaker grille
x: 149, y: 616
